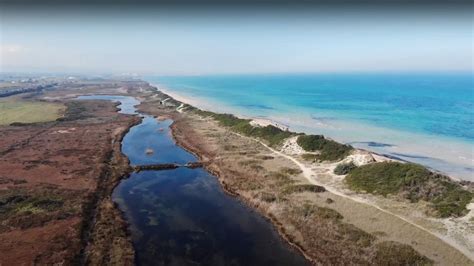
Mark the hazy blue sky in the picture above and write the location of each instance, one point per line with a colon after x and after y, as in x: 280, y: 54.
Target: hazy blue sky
x: 164, y: 41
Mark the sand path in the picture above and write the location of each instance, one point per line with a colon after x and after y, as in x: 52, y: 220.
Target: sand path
x: 310, y: 175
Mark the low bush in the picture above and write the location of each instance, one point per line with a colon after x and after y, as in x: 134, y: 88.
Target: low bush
x: 344, y: 168
x: 303, y: 188
x: 272, y: 135
x: 413, y: 182
x: 329, y: 149
x: 452, y: 201
x: 386, y: 177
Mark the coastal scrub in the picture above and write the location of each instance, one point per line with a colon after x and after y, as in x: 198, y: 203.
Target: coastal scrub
x: 413, y: 182
x: 344, y: 168
x: 330, y: 150
x: 274, y: 136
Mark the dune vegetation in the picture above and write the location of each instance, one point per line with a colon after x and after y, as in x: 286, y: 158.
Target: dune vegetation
x: 329, y: 150
x: 274, y: 136
x: 414, y: 182
x: 344, y: 168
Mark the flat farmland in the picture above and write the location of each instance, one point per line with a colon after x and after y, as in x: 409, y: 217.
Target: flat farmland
x: 20, y: 111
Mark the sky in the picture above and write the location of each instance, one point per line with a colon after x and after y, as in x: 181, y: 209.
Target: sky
x: 166, y: 40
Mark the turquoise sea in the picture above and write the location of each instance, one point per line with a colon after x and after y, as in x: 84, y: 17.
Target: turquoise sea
x: 426, y: 118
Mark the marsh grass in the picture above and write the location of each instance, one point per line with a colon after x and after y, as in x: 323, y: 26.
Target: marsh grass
x: 267, y: 197
x: 310, y: 157
x: 280, y: 179
x: 290, y: 171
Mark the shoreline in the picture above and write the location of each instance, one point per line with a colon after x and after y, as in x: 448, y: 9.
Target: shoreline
x: 226, y: 188
x: 102, y: 210
x: 454, y: 166
x: 278, y: 224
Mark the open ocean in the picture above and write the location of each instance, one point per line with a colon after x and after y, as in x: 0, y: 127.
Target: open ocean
x: 423, y: 118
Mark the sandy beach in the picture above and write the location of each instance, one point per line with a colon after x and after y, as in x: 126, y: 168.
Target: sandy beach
x: 449, y: 156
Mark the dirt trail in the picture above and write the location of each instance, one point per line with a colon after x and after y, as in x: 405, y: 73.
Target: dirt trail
x: 309, y: 175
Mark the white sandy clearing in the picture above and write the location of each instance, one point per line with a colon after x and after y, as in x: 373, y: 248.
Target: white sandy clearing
x: 291, y: 147
x: 180, y: 108
x: 263, y: 122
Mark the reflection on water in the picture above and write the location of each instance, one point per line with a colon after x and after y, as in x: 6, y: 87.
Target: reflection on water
x: 182, y: 216
x: 153, y: 136
x: 127, y: 103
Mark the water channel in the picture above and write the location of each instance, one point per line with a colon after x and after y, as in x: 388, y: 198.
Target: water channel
x: 182, y: 216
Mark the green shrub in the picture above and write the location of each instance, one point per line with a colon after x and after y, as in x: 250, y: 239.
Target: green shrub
x: 344, y: 168
x: 415, y: 183
x: 271, y: 134
x: 386, y: 177
x: 303, y: 188
x: 452, y: 201
x: 329, y: 149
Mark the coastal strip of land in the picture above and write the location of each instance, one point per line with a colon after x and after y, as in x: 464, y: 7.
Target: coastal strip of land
x: 281, y: 186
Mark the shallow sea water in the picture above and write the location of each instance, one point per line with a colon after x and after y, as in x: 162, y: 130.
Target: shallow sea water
x: 424, y: 118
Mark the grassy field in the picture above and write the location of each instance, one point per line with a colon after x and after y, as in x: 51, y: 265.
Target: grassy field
x: 13, y: 111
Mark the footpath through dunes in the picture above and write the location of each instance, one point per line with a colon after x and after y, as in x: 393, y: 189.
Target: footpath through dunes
x: 53, y: 176
x: 321, y: 223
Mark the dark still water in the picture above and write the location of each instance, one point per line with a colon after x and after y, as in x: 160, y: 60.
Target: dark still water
x: 182, y: 216
x: 154, y: 137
